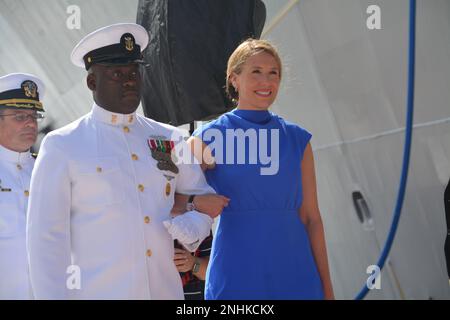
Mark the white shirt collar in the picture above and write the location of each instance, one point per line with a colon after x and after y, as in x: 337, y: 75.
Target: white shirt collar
x: 15, y: 157
x: 112, y: 118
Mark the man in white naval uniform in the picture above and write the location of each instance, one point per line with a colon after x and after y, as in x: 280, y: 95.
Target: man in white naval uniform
x: 20, y: 105
x: 103, y: 186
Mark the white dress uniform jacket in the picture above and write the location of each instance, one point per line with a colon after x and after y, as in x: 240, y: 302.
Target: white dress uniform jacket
x: 15, y: 174
x: 98, y: 202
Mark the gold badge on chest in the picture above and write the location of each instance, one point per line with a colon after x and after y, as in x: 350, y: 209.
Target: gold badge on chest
x: 161, y: 151
x: 168, y: 187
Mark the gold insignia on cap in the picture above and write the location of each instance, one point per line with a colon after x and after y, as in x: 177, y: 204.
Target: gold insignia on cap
x: 29, y: 88
x: 89, y: 59
x: 129, y: 44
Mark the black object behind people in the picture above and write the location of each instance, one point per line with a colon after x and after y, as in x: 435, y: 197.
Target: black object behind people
x: 190, y: 42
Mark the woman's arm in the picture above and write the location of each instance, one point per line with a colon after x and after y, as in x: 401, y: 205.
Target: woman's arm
x: 201, y: 152
x: 310, y: 216
x: 210, y: 204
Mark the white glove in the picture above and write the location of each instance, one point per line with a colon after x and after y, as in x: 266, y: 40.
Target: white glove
x: 189, y: 228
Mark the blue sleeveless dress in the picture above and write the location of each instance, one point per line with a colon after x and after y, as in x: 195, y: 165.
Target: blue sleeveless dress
x: 261, y: 249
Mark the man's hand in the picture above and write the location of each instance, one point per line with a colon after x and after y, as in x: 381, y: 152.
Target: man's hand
x: 210, y: 204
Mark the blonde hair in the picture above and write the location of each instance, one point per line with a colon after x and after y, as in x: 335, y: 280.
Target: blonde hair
x: 239, y: 57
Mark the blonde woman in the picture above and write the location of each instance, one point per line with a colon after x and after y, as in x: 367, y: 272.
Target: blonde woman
x: 270, y: 240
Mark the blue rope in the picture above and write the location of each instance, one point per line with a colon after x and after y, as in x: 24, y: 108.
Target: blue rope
x: 406, y: 147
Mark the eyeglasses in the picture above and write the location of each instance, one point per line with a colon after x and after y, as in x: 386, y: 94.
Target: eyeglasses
x: 22, y: 117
